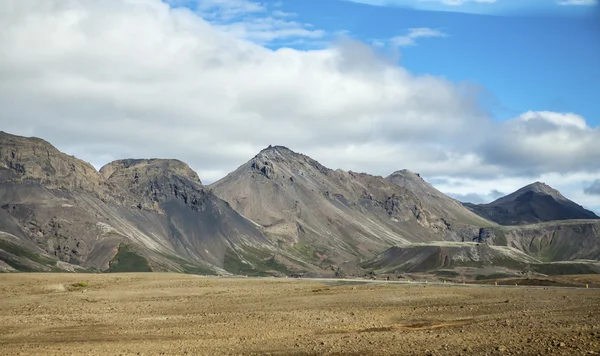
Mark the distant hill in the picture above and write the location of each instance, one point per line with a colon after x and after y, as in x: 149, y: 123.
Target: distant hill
x: 536, y: 202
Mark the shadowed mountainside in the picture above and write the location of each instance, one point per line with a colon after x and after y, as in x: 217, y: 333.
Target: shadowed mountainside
x: 531, y: 204
x: 155, y: 212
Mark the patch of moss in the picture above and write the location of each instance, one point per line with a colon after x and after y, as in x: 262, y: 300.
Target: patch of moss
x: 20, y: 251
x: 483, y: 277
x: 195, y: 269
x: 127, y: 260
x: 445, y: 273
x: 190, y: 268
x: 562, y: 268
x: 253, y: 262
x: 432, y: 262
x: 232, y: 263
x: 21, y: 267
x: 500, y: 238
x: 509, y: 263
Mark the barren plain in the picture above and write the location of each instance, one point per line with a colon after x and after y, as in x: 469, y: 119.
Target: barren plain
x: 172, y: 314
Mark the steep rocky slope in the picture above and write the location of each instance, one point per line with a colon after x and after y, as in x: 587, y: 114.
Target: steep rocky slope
x: 172, y: 203
x: 278, y: 214
x: 565, y: 247
x: 336, y: 216
x: 533, y: 203
x: 550, y: 241
x: 30, y: 160
x: 135, y: 215
x: 447, y: 255
x: 435, y: 200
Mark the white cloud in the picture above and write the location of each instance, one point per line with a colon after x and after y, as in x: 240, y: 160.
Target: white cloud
x: 569, y: 184
x: 114, y: 79
x: 416, y: 2
x: 461, y: 2
x: 251, y: 20
x: 414, y: 33
x: 593, y: 189
x: 279, y: 13
x: 578, y: 2
x: 228, y: 9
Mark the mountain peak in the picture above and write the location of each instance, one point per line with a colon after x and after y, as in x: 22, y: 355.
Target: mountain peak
x: 406, y: 174
x: 542, y: 188
x: 534, y: 188
x: 155, y: 165
x: 275, y: 148
x: 276, y: 152
x: 534, y: 203
x: 32, y: 158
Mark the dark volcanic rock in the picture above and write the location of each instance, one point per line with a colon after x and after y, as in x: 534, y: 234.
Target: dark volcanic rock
x: 531, y: 204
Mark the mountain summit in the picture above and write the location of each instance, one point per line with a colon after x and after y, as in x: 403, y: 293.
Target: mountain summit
x: 534, y: 203
x: 433, y: 198
x: 340, y: 216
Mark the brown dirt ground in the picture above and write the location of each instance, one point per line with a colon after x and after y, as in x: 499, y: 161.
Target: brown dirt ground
x: 171, y: 314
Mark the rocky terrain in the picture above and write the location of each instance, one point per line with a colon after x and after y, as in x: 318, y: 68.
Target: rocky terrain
x: 531, y: 204
x: 58, y: 212
x: 281, y: 213
x: 337, y: 217
x: 170, y: 314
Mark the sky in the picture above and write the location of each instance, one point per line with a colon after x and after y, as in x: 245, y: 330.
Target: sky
x: 480, y: 97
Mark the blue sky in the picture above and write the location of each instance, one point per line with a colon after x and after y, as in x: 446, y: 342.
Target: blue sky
x: 478, y: 96
x: 539, y: 56
x: 526, y: 54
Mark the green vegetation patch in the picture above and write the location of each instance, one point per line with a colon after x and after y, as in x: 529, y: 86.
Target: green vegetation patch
x: 20, y: 251
x: 500, y: 238
x: 446, y: 273
x: 190, y: 268
x: 253, y: 262
x: 562, y: 268
x: 127, y: 260
x: 483, y: 277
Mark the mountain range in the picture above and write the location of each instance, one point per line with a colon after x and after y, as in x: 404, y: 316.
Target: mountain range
x: 280, y: 213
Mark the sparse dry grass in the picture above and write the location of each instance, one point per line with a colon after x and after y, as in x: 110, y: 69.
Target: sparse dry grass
x: 172, y: 314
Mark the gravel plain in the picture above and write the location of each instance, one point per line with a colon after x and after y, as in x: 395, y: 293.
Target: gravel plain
x: 172, y: 314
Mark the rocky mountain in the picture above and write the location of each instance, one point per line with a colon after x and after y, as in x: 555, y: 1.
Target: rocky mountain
x: 29, y: 160
x: 434, y: 199
x: 280, y: 213
x: 533, y: 203
x: 337, y: 217
x: 59, y: 212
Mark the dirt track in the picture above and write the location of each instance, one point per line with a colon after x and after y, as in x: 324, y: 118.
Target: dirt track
x: 173, y: 314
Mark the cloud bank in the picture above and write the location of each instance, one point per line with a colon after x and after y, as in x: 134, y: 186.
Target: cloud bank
x: 593, y: 189
x: 112, y: 79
